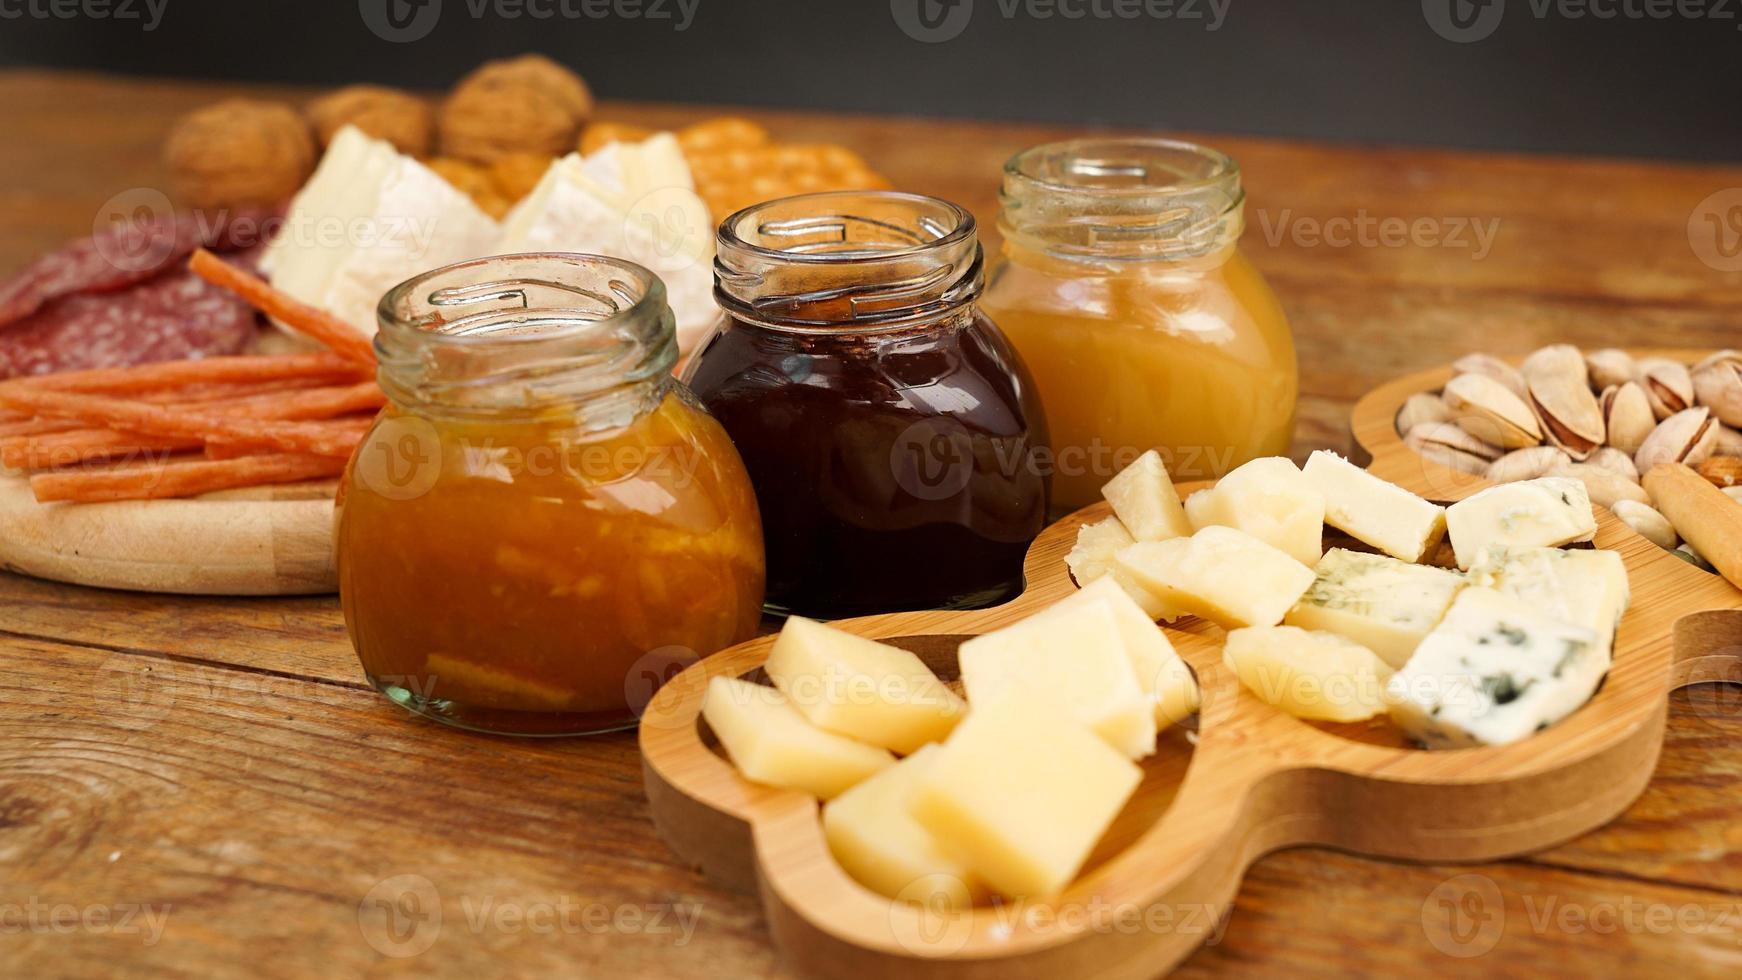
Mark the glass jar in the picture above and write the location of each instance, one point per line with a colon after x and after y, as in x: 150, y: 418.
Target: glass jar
x: 887, y: 424
x: 542, y: 522
x: 1124, y: 289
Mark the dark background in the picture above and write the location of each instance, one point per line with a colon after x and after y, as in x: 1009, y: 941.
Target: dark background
x: 1345, y: 70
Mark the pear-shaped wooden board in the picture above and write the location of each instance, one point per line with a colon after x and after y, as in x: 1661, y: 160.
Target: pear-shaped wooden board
x: 1247, y: 781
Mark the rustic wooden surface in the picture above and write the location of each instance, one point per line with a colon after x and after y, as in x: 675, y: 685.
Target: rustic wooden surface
x: 222, y: 761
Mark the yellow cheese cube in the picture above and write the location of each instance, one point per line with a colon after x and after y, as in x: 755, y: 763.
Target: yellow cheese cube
x: 1269, y: 499
x: 1386, y: 605
x: 1073, y: 660
x: 1309, y: 674
x: 873, y: 834
x: 1161, y: 674
x: 1091, y: 559
x: 1219, y: 573
x: 1373, y: 511
x: 770, y: 742
x: 860, y: 688
x: 1023, y: 793
x: 1147, y: 504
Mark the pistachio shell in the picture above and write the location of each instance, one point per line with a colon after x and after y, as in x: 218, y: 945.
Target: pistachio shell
x: 1734, y: 493
x: 1610, y: 366
x: 1647, y: 523
x: 1668, y: 384
x: 1527, y: 464
x: 1687, y: 553
x: 1420, y: 409
x: 1718, y: 385
x: 1729, y: 442
x: 1605, y: 486
x: 1561, y: 397
x: 1493, y: 367
x: 1627, y: 416
x: 1615, y: 461
x: 1686, y: 437
x: 1446, y: 436
x: 1491, y: 412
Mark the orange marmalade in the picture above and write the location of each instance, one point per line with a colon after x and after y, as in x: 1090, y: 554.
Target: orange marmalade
x: 1144, y: 326
x: 543, y: 525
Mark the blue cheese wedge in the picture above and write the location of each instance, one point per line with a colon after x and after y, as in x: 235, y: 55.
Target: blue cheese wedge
x: 1584, y: 587
x: 1542, y: 513
x: 1386, y: 605
x: 1372, y: 511
x: 1495, y: 671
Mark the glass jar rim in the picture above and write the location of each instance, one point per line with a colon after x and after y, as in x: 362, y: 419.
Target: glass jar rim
x: 1220, y: 166
x: 729, y: 235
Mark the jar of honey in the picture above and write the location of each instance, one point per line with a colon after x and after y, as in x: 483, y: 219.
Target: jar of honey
x: 1124, y: 289
x: 888, y: 426
x: 543, y: 524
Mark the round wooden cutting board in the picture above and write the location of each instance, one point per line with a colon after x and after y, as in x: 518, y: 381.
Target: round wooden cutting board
x: 260, y: 541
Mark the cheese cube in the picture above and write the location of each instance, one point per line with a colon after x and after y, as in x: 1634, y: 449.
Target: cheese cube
x: 1269, y: 499
x: 872, y: 833
x: 1161, y: 675
x: 1373, y: 511
x: 1584, y: 587
x: 1542, y: 513
x: 1495, y: 671
x: 1073, y: 660
x: 1308, y: 674
x: 1023, y: 793
x: 770, y: 742
x: 1386, y: 605
x: 860, y: 688
x: 1219, y: 573
x: 1091, y: 559
x: 1144, y: 498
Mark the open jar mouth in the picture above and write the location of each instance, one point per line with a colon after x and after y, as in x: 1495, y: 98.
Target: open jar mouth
x: 1123, y: 198
x: 861, y: 260
x: 512, y: 332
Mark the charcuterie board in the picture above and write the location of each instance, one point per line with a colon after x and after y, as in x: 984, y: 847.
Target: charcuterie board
x: 1249, y: 780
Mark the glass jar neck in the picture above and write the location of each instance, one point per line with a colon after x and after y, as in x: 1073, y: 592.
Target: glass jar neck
x: 1123, y: 201
x: 857, y: 262
x: 520, y: 337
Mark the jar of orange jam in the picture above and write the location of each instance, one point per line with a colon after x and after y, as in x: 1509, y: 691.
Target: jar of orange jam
x: 1123, y: 288
x: 543, y: 523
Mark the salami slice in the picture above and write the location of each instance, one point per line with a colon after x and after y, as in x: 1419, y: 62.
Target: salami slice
x: 175, y: 316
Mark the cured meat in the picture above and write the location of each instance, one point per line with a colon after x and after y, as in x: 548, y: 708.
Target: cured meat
x: 125, y: 254
x: 175, y: 316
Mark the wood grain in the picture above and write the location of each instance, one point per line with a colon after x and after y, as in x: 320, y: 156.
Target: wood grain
x: 269, y: 818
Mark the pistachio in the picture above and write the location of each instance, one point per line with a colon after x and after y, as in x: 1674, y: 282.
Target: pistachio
x: 1687, y: 437
x: 1527, y: 464
x: 1627, y: 416
x: 1734, y: 493
x: 1560, y: 395
x: 1493, y: 367
x: 1491, y: 412
x: 1647, y: 523
x: 1610, y: 366
x: 1605, y: 486
x: 1668, y: 384
x: 1452, y: 447
x: 1615, y: 461
x: 1420, y: 409
x: 1722, y: 471
x: 1729, y: 442
x: 1718, y: 385
x: 1687, y: 553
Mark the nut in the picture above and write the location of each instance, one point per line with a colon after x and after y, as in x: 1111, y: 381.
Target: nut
x: 1668, y: 384
x: 1560, y: 394
x: 524, y: 105
x: 1605, y: 486
x: 1734, y: 493
x: 388, y: 114
x: 1451, y: 446
x: 1493, y: 367
x: 1627, y: 416
x: 1729, y: 442
x: 240, y: 152
x: 1686, y: 437
x: 1647, y: 523
x: 1527, y: 464
x: 1687, y: 553
x: 1722, y: 471
x: 1610, y: 366
x: 1420, y: 409
x: 1491, y: 412
x: 1718, y: 385
x: 1615, y: 461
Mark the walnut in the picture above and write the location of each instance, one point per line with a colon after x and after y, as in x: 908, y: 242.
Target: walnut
x: 240, y: 152
x: 398, y: 117
x: 527, y: 105
x: 517, y: 174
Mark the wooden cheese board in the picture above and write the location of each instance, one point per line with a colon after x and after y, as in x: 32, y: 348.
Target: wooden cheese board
x: 1247, y: 781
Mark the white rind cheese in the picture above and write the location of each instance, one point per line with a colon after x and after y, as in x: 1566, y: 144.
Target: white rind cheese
x: 1144, y: 498
x: 1584, y: 587
x: 1386, y: 605
x: 1269, y: 499
x: 1373, y: 511
x: 1224, y: 575
x: 1495, y: 671
x: 1542, y: 513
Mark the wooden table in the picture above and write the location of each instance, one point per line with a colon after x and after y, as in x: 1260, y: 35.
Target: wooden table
x: 198, y: 787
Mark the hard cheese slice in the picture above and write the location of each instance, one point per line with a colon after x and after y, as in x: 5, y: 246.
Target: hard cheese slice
x: 1144, y: 498
x: 1308, y: 674
x: 1161, y: 675
x: 1386, y: 605
x: 1542, y: 513
x: 1091, y: 559
x: 1023, y: 793
x: 1269, y: 499
x: 1373, y: 511
x: 1495, y: 671
x: 860, y: 688
x: 1219, y: 573
x: 770, y: 742
x: 873, y: 834
x: 1586, y: 588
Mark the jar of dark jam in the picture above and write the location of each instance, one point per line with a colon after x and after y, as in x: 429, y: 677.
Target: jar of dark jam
x: 889, y: 428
